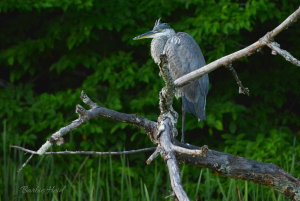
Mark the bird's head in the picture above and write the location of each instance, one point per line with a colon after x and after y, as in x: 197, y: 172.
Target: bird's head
x: 159, y: 29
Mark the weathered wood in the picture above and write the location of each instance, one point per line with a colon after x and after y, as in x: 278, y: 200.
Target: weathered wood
x: 241, y: 168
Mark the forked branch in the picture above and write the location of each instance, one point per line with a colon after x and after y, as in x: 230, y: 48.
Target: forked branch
x: 93, y: 113
x: 247, y: 51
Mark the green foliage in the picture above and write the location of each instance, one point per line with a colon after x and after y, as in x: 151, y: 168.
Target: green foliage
x: 53, y: 49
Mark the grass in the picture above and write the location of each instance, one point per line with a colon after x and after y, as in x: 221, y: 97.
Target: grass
x: 117, y: 178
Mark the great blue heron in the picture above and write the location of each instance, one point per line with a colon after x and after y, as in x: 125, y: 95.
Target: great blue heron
x: 183, y: 56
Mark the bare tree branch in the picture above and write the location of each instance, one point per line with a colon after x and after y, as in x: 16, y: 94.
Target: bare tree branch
x: 153, y: 156
x: 285, y: 54
x: 245, y: 169
x: 168, y: 155
x: 251, y: 49
x: 167, y: 130
x: 147, y: 125
x: 87, y: 100
x: 242, y: 89
x: 25, y: 163
x: 202, y: 151
x: 94, y: 153
x: 93, y: 113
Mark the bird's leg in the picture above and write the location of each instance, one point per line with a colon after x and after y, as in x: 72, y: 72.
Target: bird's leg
x: 183, y: 124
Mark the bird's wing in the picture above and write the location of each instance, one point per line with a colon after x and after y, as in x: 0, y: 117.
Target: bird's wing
x: 184, y: 55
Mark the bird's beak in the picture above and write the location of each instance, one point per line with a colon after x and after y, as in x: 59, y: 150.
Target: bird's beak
x: 148, y: 34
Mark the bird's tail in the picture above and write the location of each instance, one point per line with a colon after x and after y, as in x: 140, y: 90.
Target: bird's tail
x: 194, y: 97
x: 197, y: 109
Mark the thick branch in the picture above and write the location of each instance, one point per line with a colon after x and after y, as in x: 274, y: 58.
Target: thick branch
x: 169, y: 156
x: 251, y: 49
x: 245, y: 169
x: 167, y: 93
x: 133, y: 119
x: 222, y: 163
x: 167, y: 130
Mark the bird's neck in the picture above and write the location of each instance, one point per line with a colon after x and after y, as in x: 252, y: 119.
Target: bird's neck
x: 157, y: 47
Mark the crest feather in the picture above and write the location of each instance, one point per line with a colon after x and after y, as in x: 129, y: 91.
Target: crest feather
x: 157, y: 22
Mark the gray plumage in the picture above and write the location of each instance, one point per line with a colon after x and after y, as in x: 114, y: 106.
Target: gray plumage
x: 183, y: 55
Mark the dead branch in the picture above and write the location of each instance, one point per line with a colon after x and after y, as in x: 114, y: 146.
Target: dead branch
x: 285, y: 54
x: 167, y: 130
x: 86, y: 115
x: 242, y: 89
x: 202, y: 151
x: 241, y: 168
x: 247, y: 51
x: 224, y: 164
x: 93, y: 113
x: 92, y: 153
x: 153, y: 156
x: 169, y: 157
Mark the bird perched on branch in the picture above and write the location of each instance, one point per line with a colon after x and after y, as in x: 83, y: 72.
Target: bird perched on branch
x: 183, y: 56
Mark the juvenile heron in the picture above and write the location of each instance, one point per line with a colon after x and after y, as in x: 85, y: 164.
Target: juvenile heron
x: 183, y: 56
